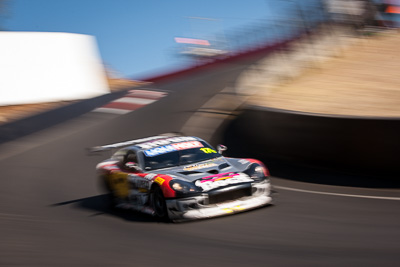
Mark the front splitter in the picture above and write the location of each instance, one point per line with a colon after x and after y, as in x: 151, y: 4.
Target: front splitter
x: 210, y: 211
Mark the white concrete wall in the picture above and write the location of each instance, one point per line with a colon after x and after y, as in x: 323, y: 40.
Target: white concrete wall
x: 46, y: 66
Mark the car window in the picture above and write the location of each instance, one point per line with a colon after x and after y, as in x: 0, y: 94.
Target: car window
x: 164, y: 157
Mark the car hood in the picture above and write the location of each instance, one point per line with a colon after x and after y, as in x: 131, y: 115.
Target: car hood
x: 195, y: 171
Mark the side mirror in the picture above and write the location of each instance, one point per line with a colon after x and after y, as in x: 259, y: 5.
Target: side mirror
x: 221, y: 148
x: 133, y: 166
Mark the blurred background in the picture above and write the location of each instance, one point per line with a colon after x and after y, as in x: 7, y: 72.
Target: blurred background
x: 328, y: 57
x: 136, y: 41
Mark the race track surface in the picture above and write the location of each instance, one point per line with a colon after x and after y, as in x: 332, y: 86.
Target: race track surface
x: 52, y: 212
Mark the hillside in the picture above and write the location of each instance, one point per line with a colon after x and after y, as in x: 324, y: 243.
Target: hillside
x: 363, y: 80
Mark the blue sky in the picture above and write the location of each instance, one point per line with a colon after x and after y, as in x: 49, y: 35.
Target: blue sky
x: 136, y: 38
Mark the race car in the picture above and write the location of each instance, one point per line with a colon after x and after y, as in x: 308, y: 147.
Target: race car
x: 180, y: 178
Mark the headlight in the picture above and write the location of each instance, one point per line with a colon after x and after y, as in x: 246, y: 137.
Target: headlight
x: 256, y: 172
x: 183, y: 187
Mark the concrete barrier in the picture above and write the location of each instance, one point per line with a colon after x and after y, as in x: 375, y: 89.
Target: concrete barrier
x: 358, y: 145
x: 25, y: 126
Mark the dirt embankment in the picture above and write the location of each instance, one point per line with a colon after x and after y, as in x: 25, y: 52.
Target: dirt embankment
x: 364, y: 80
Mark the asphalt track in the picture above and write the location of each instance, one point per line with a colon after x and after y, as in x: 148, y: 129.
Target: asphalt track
x: 53, y: 214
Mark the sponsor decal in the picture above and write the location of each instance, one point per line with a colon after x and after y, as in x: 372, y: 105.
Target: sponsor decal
x: 172, y: 147
x: 223, y: 179
x: 139, y: 182
x: 243, y: 161
x: 187, y: 145
x: 233, y: 209
x: 208, y: 150
x: 159, y: 150
x: 199, y: 166
x: 159, y: 180
x: 167, y: 141
x: 119, y: 183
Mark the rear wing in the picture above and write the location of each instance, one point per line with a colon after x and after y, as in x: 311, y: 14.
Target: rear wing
x: 96, y: 149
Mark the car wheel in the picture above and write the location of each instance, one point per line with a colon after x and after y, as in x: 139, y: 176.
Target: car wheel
x: 158, y: 203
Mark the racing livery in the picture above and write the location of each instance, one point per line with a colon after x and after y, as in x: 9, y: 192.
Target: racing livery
x: 181, y: 178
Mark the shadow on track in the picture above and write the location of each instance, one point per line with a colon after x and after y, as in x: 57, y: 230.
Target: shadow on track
x: 326, y: 150
x: 310, y: 174
x: 99, y: 204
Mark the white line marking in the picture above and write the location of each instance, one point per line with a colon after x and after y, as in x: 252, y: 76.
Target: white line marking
x: 112, y: 110
x: 335, y: 194
x: 131, y: 100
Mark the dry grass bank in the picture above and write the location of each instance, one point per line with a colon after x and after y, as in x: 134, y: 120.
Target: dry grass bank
x: 363, y: 81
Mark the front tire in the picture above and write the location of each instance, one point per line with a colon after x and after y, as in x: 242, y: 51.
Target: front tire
x: 158, y: 203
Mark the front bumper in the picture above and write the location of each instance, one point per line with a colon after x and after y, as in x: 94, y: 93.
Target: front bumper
x: 198, y: 207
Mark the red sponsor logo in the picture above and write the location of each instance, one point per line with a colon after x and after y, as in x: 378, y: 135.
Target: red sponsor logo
x: 187, y: 145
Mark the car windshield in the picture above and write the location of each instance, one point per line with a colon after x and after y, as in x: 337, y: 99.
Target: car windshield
x: 165, y: 157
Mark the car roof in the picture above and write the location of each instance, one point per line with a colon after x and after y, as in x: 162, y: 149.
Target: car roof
x: 146, y: 143
x: 159, y: 142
